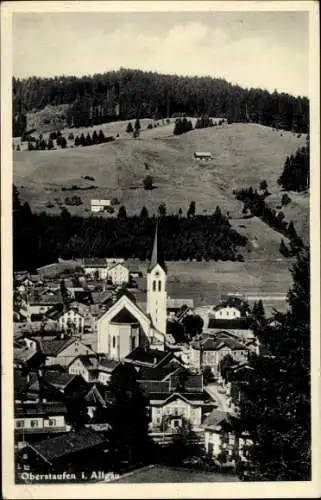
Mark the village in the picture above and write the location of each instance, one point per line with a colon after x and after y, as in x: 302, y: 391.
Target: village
x: 75, y: 325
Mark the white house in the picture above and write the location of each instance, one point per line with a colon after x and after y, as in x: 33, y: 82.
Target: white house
x: 118, y: 274
x: 99, y: 205
x: 93, y: 368
x: 210, y: 352
x: 40, y: 418
x: 95, y: 268
x: 203, y: 155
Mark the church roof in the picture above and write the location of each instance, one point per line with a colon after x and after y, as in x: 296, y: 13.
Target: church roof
x: 157, y: 254
x: 124, y: 316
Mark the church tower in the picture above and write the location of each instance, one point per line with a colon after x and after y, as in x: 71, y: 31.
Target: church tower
x: 156, y: 287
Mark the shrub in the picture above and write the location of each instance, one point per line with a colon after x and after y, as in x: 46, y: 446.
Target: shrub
x: 114, y: 201
x: 148, y: 182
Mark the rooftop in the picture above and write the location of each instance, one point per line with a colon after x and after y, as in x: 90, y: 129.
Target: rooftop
x: 40, y: 409
x: 94, y: 262
x: 148, y: 356
x: 70, y: 443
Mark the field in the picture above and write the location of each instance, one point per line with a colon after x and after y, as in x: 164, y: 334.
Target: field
x: 243, y: 155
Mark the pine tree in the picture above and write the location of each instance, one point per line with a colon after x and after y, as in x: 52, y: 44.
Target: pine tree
x: 276, y: 404
x: 122, y: 214
x: 129, y: 128
x: 137, y: 125
x: 101, y: 137
x: 144, y: 212
x: 191, y: 209
x: 128, y: 418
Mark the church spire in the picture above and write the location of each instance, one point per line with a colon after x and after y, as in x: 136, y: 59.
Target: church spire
x: 157, y: 254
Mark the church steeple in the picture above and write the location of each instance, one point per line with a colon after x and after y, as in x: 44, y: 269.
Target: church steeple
x: 157, y: 253
x: 156, y: 287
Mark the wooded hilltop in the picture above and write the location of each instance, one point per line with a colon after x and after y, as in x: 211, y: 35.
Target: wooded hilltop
x: 126, y: 94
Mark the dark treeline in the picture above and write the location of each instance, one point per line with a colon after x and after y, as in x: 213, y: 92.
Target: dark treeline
x: 255, y: 204
x: 296, y: 172
x: 40, y: 238
x: 126, y: 94
x: 182, y: 125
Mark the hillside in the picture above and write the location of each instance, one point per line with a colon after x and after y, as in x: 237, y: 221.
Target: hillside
x: 243, y: 155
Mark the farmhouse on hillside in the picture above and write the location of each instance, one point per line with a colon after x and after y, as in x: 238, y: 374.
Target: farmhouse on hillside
x: 99, y: 205
x: 204, y: 156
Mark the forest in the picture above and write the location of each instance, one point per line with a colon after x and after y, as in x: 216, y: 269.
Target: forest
x: 39, y: 239
x: 127, y: 93
x: 296, y: 171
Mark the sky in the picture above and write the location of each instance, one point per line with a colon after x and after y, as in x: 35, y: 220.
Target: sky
x: 269, y: 50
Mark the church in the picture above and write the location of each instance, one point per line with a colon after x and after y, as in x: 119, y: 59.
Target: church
x: 125, y: 326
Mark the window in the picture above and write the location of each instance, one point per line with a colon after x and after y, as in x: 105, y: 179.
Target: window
x: 133, y: 343
x: 34, y: 423
x: 159, y: 286
x: 20, y: 424
x: 154, y: 286
x: 114, y: 342
x: 52, y: 422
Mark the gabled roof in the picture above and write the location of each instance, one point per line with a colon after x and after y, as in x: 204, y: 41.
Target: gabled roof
x: 70, y: 443
x: 53, y: 347
x: 246, y: 323
x: 218, y: 417
x: 152, y: 357
x: 124, y: 316
x: 157, y: 253
x: 94, y: 262
x: 40, y: 409
x: 117, y: 264
x: 57, y: 379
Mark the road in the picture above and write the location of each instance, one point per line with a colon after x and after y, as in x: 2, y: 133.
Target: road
x: 221, y: 399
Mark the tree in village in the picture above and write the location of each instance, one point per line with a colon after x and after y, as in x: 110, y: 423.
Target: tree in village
x: 128, y: 419
x: 258, y: 311
x: 193, y: 325
x: 224, y: 366
x: 276, y: 404
x: 185, y: 444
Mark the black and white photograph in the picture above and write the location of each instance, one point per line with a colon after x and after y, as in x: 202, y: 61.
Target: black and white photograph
x: 159, y: 320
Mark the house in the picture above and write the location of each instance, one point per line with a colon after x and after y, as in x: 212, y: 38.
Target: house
x: 209, y: 351
x: 58, y: 384
x: 99, y: 205
x: 34, y: 418
x: 231, y: 308
x: 40, y: 304
x: 179, y: 307
x: 26, y: 386
x: 25, y: 354
x: 171, y: 404
x: 61, y: 351
x: 151, y: 358
x: 76, y: 318
x: 118, y: 273
x: 93, y: 368
x: 204, y: 156
x: 240, y: 328
x: 225, y: 441
x: 95, y: 268
x: 83, y: 449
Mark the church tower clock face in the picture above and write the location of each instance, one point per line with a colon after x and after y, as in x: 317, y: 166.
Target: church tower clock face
x: 156, y: 287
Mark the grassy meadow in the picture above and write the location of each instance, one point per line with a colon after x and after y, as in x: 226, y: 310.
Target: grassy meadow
x: 243, y: 155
